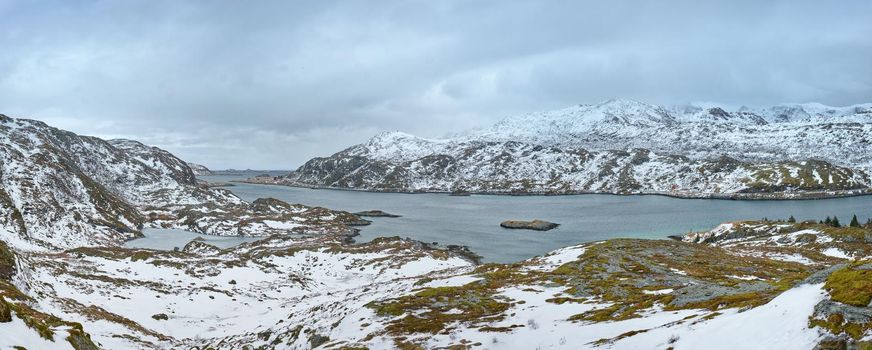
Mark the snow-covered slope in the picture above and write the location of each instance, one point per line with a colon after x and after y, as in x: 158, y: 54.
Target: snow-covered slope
x: 621, y: 146
x: 62, y: 190
x: 290, y: 292
x: 278, y: 293
x: 841, y: 135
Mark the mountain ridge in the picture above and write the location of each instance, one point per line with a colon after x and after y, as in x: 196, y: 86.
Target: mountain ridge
x: 60, y: 190
x: 676, y: 149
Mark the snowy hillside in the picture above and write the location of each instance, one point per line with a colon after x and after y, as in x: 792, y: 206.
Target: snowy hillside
x: 65, y: 283
x: 768, y: 286
x: 621, y: 146
x: 841, y: 135
x: 62, y: 190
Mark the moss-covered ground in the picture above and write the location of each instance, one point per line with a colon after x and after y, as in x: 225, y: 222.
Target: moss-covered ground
x: 15, y: 303
x: 620, y: 273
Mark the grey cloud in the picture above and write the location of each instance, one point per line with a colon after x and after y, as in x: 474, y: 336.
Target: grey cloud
x: 271, y: 84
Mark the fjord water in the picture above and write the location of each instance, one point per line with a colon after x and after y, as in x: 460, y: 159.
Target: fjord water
x: 474, y: 220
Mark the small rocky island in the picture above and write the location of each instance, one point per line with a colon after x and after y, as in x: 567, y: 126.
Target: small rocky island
x: 376, y: 214
x: 538, y: 225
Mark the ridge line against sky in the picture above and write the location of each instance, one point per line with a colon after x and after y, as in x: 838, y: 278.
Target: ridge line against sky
x: 270, y: 85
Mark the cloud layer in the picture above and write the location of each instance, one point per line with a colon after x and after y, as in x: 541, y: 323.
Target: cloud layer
x: 271, y: 84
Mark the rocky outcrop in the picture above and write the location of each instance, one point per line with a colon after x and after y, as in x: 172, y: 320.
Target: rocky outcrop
x: 16, y: 307
x: 844, y: 266
x: 538, y: 225
x: 376, y: 213
x: 197, y: 246
x: 199, y: 170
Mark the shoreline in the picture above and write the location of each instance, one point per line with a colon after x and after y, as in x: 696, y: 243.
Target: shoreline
x: 756, y: 196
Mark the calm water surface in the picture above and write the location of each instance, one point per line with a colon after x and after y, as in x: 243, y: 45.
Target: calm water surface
x: 474, y: 220
x: 167, y: 239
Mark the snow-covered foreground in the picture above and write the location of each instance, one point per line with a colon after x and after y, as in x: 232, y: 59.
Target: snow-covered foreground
x: 169, y: 299
x: 16, y: 333
x: 292, y: 292
x: 780, y: 324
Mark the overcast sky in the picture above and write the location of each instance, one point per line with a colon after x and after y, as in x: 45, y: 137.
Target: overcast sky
x: 268, y: 85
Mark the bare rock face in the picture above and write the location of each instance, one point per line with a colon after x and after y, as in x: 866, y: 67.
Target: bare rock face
x: 197, y: 246
x: 538, y: 225
x: 199, y: 170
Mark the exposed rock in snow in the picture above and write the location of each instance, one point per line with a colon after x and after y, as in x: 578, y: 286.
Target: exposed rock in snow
x: 622, y: 146
x: 806, y: 242
x: 278, y: 291
x: 15, y: 333
x: 289, y: 293
x: 836, y: 253
x: 23, y: 326
x: 780, y: 324
x: 843, y: 316
x: 62, y: 190
x: 199, y: 170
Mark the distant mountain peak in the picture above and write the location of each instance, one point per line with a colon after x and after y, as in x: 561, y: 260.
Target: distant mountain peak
x: 622, y: 102
x: 392, y: 135
x: 394, y: 145
x: 617, y: 123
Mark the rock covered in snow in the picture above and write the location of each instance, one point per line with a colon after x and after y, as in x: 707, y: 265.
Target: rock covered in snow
x: 199, y: 170
x: 622, y: 146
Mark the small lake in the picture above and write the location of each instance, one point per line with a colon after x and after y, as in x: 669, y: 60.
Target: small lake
x: 474, y: 220
x: 167, y: 239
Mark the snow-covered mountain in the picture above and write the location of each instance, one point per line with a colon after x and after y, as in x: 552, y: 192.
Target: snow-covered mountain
x: 621, y: 146
x: 63, y: 194
x: 841, y: 135
x: 65, y: 283
x: 62, y: 190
